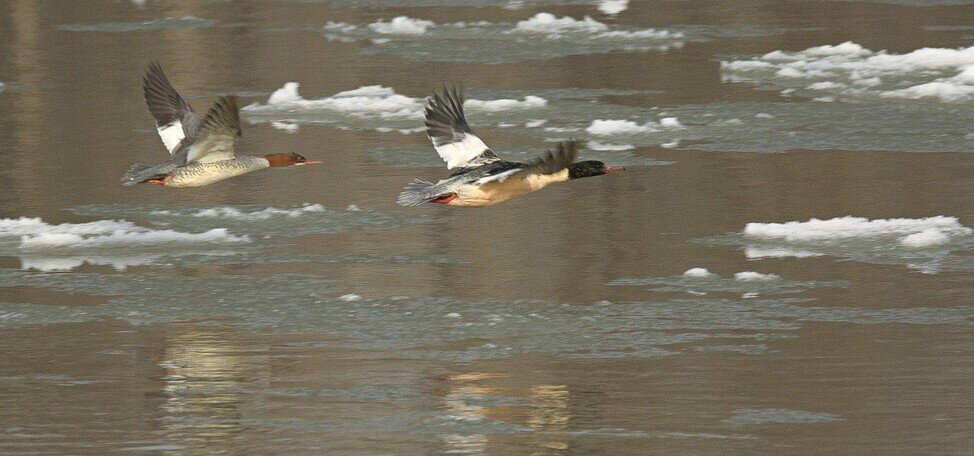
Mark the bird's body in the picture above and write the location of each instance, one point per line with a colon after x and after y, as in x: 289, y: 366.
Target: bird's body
x: 464, y: 191
x: 483, y: 178
x: 202, y: 149
x: 198, y: 174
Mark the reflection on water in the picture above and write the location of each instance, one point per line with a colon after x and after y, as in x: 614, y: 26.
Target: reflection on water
x: 206, y: 384
x: 542, y: 409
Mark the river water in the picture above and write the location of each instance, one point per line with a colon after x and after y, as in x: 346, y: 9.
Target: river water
x: 785, y: 267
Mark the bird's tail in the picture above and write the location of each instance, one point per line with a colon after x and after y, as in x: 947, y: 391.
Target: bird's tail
x: 418, y: 192
x: 140, y: 172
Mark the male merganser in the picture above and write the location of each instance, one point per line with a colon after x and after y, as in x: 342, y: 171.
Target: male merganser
x: 483, y: 178
x: 201, y: 149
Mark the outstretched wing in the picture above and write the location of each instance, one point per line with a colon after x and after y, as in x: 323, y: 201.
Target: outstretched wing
x: 176, y: 121
x: 451, y: 136
x: 218, y: 132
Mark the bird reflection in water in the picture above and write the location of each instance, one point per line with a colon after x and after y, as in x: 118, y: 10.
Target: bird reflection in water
x: 541, y: 408
x: 205, y: 385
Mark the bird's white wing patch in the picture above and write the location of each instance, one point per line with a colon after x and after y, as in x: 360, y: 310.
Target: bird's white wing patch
x: 456, y: 154
x: 171, y: 135
x: 499, y: 177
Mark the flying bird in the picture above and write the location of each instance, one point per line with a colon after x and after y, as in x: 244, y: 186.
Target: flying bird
x: 202, y: 149
x: 481, y: 177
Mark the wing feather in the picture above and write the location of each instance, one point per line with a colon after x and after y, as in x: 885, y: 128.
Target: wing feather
x: 217, y: 136
x: 176, y: 121
x: 452, y: 138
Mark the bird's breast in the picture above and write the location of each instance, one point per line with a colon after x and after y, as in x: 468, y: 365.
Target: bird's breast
x: 491, y: 193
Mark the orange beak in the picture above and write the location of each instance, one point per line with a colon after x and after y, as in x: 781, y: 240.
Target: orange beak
x: 310, y: 162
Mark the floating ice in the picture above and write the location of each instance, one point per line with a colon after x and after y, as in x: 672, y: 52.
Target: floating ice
x: 613, y: 127
x: 34, y: 233
x: 751, y: 276
x: 285, y: 126
x: 697, y: 272
x: 370, y: 107
x: 529, y: 102
x: 364, y: 102
x: 609, y: 127
x: 670, y: 122
x: 550, y: 24
x: 238, y: 213
x: 845, y: 228
x: 849, y: 71
x: 253, y: 220
x: 766, y: 127
x: 184, y: 236
x: 169, y: 23
x: 924, y: 244
x: 613, y: 7
x: 541, y: 36
x: 595, y: 145
x: 117, y: 243
x: 401, y: 25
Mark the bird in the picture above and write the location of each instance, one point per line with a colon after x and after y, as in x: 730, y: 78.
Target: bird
x: 481, y: 177
x: 202, y: 149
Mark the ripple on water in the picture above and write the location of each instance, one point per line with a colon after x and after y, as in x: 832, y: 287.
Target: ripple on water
x: 255, y: 220
x: 778, y: 415
x: 699, y: 281
x: 542, y: 36
x: 443, y: 328
x: 168, y: 23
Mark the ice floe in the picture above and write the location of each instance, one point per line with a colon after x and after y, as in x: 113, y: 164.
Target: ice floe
x: 849, y: 71
x: 117, y: 243
x: 725, y: 126
x: 189, y: 236
x: 548, y: 23
x: 541, y: 36
x: 401, y: 25
x: 613, y: 7
x: 370, y: 107
x: 925, y: 244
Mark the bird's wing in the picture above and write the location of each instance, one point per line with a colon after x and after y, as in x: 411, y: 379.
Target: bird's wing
x: 176, y: 121
x: 452, y: 138
x: 218, y: 132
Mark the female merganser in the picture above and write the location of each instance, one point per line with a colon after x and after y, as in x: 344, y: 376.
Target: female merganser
x: 201, y: 150
x: 483, y: 178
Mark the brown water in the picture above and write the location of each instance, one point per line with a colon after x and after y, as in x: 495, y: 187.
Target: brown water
x: 504, y: 330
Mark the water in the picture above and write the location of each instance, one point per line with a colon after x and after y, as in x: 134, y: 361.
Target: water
x: 784, y: 267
